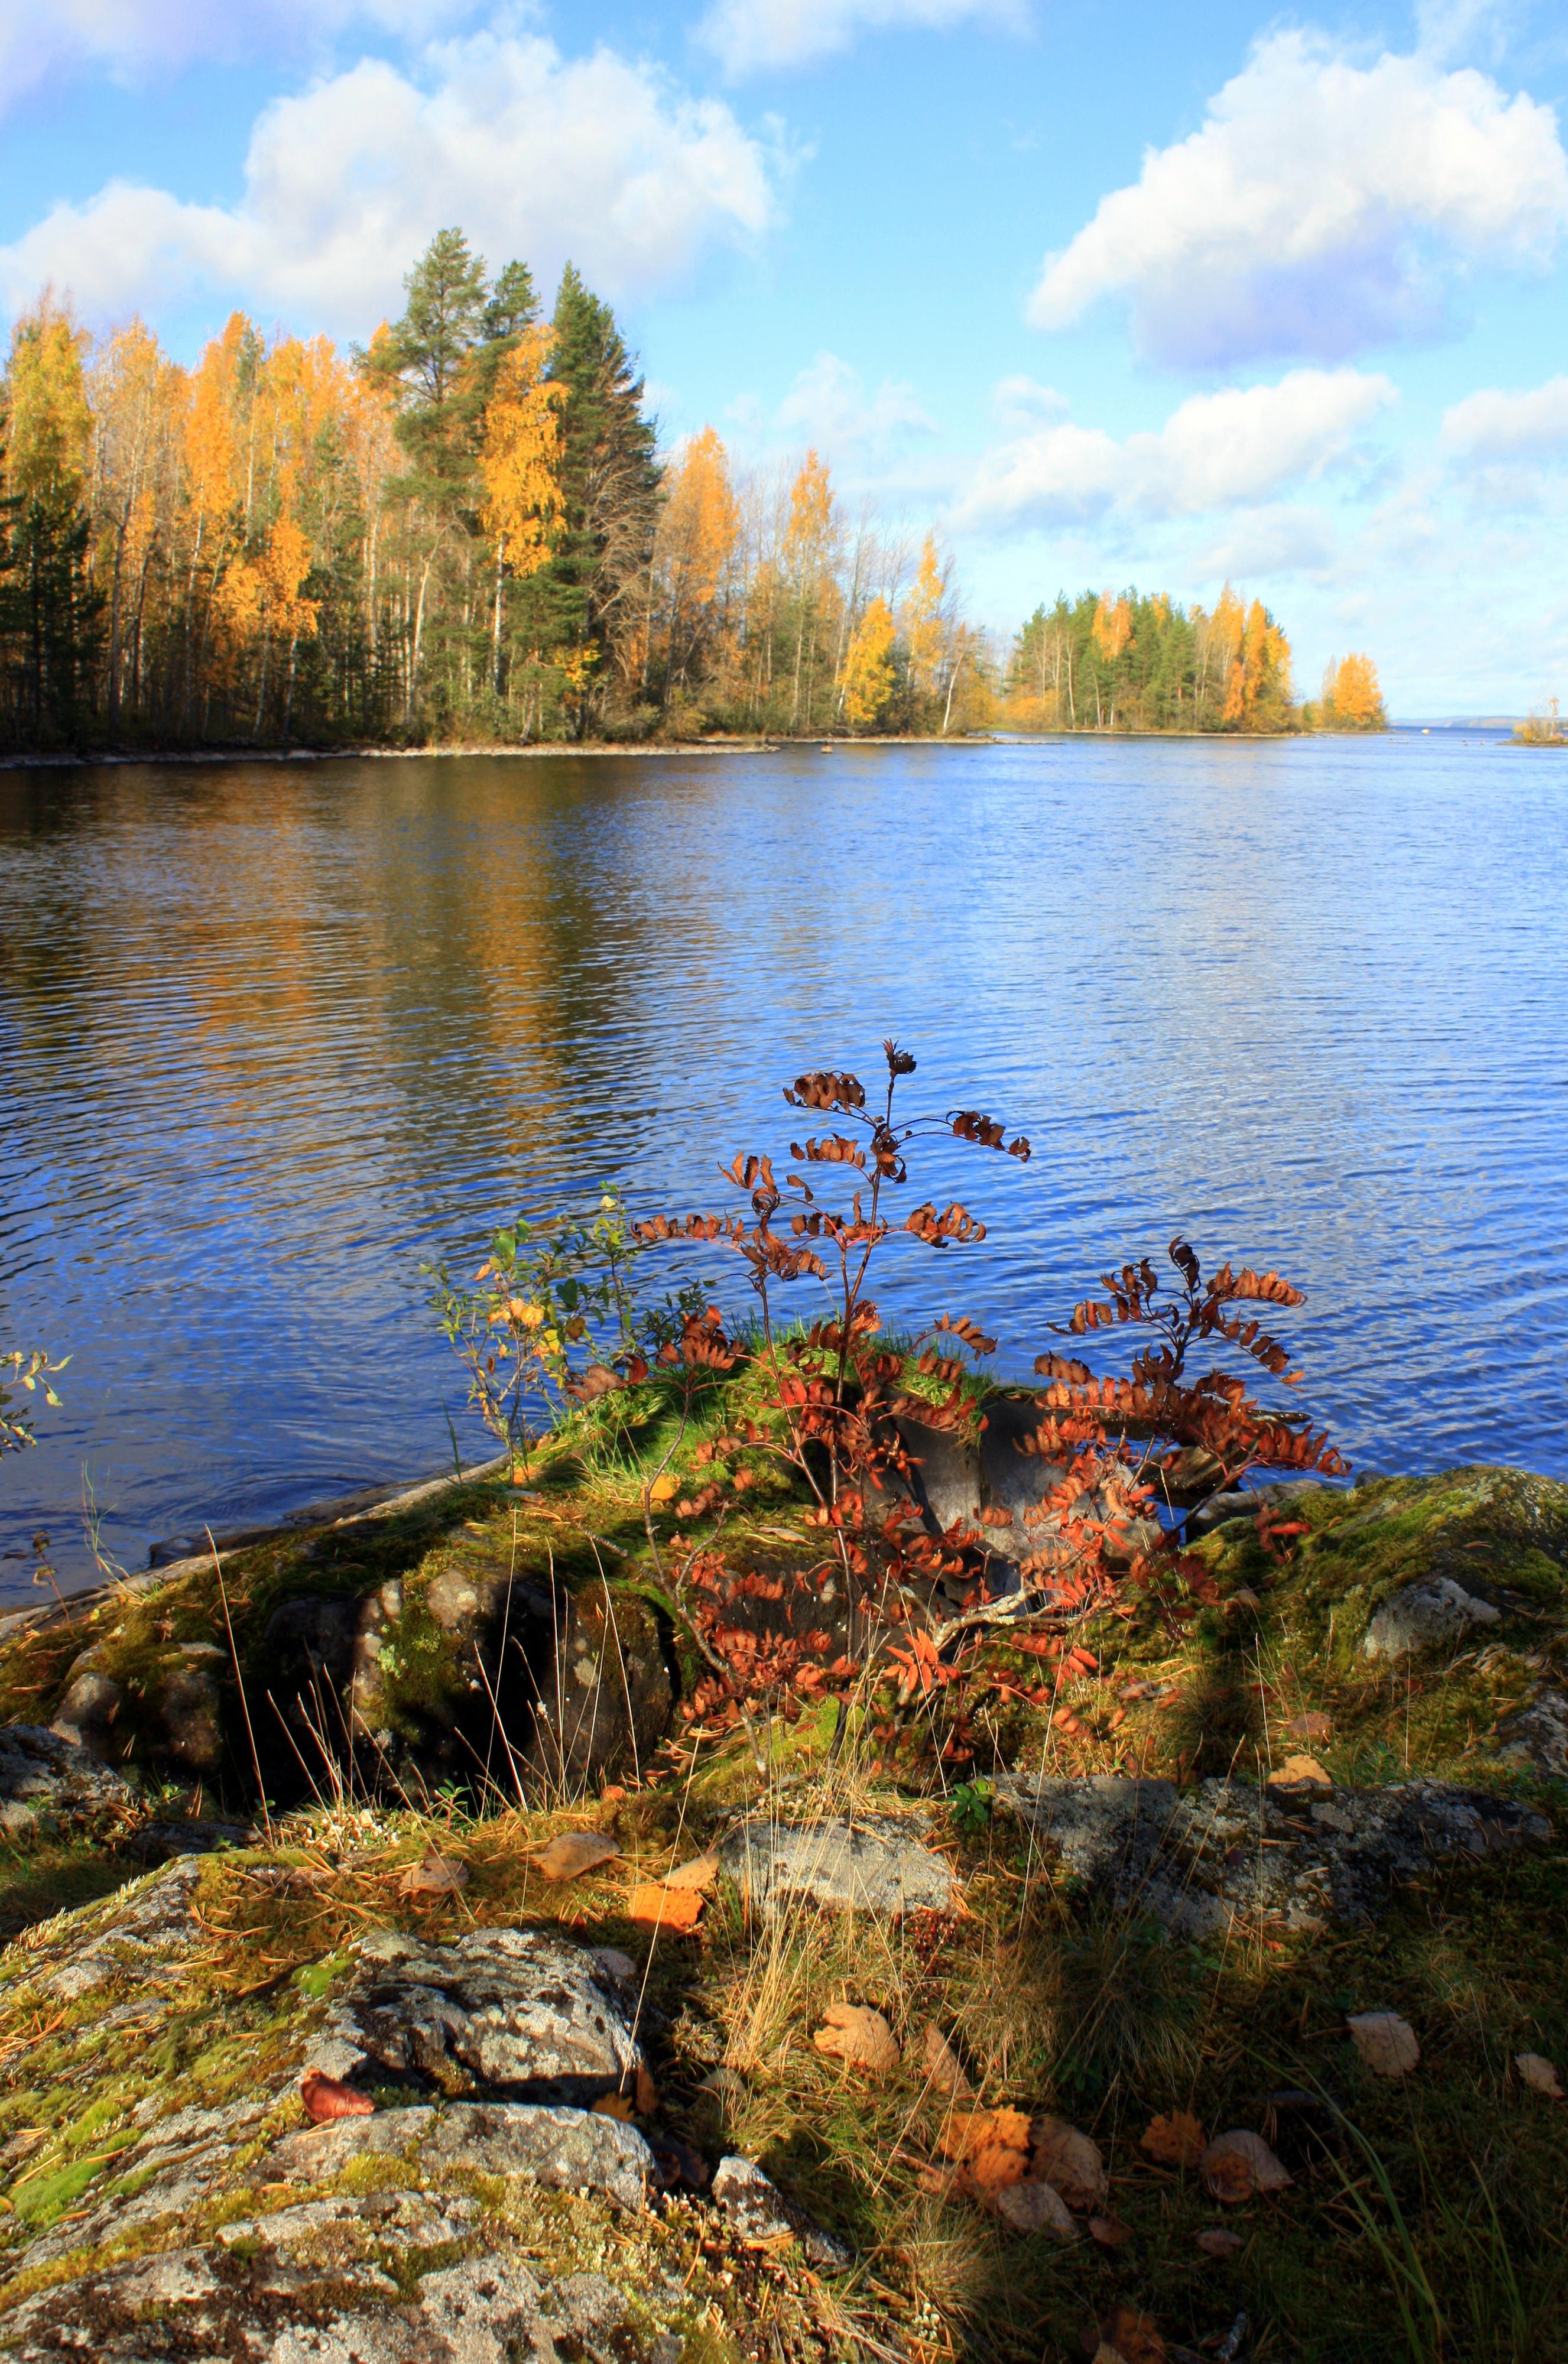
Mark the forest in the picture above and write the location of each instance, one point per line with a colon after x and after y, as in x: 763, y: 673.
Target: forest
x: 467, y: 532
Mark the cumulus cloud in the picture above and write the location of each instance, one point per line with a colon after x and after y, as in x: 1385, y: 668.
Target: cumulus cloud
x: 1322, y: 207
x: 1215, y: 451
x: 828, y: 406
x: 1494, y: 425
x: 132, y: 38
x: 596, y: 159
x: 757, y: 36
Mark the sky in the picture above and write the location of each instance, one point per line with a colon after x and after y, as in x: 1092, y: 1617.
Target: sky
x: 1144, y: 294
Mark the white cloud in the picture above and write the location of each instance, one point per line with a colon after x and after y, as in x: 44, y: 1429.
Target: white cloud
x: 1270, y: 542
x: 597, y: 159
x: 1494, y: 425
x: 133, y: 39
x: 828, y: 406
x: 1024, y: 402
x: 1215, y: 451
x: 755, y: 36
x: 1321, y: 207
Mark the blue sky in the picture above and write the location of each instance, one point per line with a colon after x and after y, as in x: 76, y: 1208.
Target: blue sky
x: 1112, y: 293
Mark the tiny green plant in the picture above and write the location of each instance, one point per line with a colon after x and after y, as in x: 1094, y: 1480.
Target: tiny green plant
x: 970, y: 1807
x: 549, y: 1319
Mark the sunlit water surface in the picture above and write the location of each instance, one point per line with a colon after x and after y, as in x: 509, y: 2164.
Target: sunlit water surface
x: 271, y: 1036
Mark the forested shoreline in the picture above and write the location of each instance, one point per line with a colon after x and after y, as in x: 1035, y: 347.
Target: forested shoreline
x: 466, y: 533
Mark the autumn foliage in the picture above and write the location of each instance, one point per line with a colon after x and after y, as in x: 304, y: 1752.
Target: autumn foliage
x: 1123, y: 1458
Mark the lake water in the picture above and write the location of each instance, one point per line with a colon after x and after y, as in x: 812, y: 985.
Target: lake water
x: 271, y: 1035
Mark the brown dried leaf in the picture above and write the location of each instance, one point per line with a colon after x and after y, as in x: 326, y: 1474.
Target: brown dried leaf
x: 1132, y: 2337
x: 945, y: 2069
x: 969, y: 2132
x: 1176, y: 2141
x: 654, y: 1906
x: 700, y: 1874
x: 1386, y: 2042
x: 1312, y: 1726
x: 1068, y: 2159
x: 1537, y: 2071
x: 327, y: 2098
x: 1110, y: 2231
x: 861, y: 2037
x: 1300, y: 1773
x: 574, y: 1852
x: 1219, y: 2241
x: 1240, y: 2165
x: 646, y: 2093
x: 1032, y: 2207
x: 438, y: 1875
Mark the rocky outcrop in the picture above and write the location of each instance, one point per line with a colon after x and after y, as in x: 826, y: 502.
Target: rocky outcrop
x: 1198, y: 1859
x: 876, y: 1865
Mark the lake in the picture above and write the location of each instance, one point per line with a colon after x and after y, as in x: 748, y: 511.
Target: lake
x: 272, y: 1035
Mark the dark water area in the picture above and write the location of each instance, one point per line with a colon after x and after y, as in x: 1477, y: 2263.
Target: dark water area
x: 271, y: 1036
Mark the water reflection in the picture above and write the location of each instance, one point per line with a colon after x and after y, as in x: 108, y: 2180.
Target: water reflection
x: 271, y: 1035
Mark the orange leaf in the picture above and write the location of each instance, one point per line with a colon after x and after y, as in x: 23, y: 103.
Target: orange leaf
x: 327, y: 2098
x: 1176, y: 2141
x: 654, y: 1906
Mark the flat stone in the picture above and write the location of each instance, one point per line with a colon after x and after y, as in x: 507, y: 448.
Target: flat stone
x: 1199, y: 1858
x: 877, y: 1865
x: 1424, y: 1617
x: 759, y: 2211
x: 513, y: 2013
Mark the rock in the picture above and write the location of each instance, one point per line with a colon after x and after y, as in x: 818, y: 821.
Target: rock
x: 568, y: 2149
x: 1537, y: 1736
x: 149, y: 1926
x: 271, y: 2305
x: 192, y: 1709
x: 957, y: 1479
x: 1199, y: 1858
x: 1424, y: 1617
x: 49, y: 1786
x: 759, y: 2211
x: 876, y: 1865
x: 511, y: 2012
x: 88, y: 1708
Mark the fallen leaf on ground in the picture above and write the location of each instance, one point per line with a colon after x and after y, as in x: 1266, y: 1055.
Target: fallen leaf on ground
x: 1242, y: 1598
x: 327, y: 2098
x: 613, y: 2105
x: 1219, y: 2241
x: 654, y: 1906
x: 665, y: 1489
x: 861, y: 2037
x: 941, y: 2182
x: 646, y: 2093
x: 1537, y: 2071
x: 1300, y: 1773
x: 700, y: 1874
x: 1386, y: 2042
x: 1033, y: 2207
x: 992, y: 2147
x: 1312, y: 1724
x: 1132, y: 2337
x: 437, y: 1876
x: 571, y: 1852
x: 1240, y: 2165
x: 677, y: 2162
x: 1110, y: 2232
x: 1176, y: 2141
x: 612, y: 1793
x: 1068, y: 2159
x: 945, y: 2069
